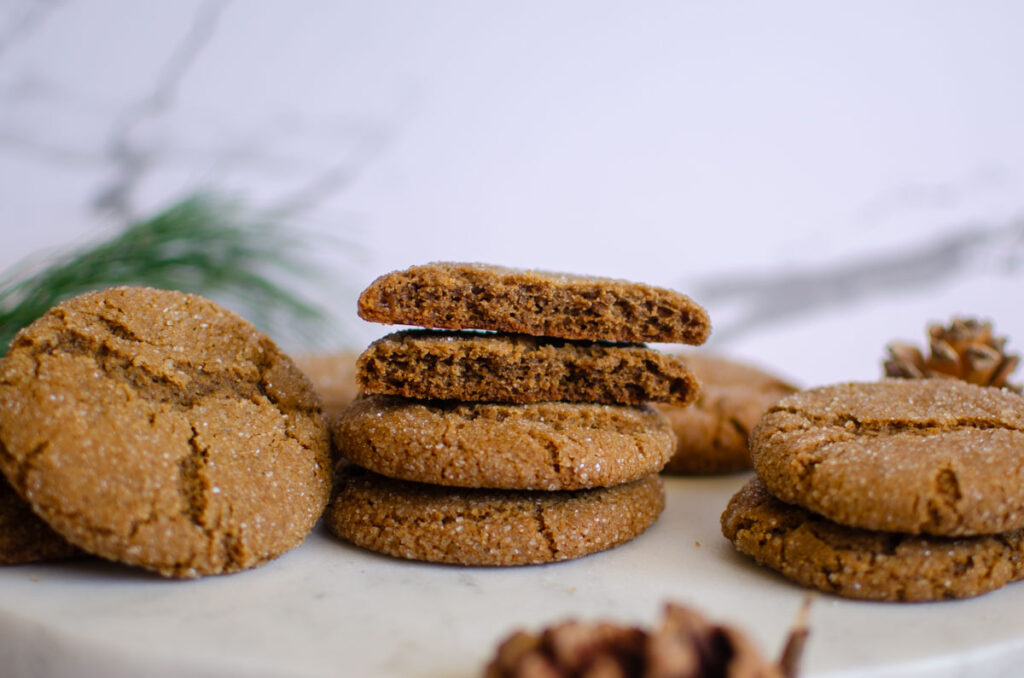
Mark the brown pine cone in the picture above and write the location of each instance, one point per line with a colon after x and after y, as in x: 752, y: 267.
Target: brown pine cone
x: 685, y: 646
x: 965, y: 350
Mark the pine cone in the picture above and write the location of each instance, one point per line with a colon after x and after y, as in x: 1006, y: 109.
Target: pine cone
x: 965, y: 350
x: 685, y: 646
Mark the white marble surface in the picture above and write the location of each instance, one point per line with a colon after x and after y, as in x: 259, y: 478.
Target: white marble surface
x: 330, y: 609
x: 824, y: 177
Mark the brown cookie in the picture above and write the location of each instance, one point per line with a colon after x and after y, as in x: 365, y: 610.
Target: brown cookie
x: 933, y: 456
x: 24, y: 538
x: 334, y: 378
x: 459, y: 296
x: 473, y: 366
x: 157, y: 429
x: 855, y: 563
x: 536, y: 446
x: 488, y: 527
x: 711, y: 434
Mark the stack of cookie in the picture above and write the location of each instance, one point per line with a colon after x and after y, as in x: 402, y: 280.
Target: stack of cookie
x: 517, y: 431
x: 897, y: 490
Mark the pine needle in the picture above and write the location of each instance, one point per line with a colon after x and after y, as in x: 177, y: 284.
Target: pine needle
x: 202, y: 244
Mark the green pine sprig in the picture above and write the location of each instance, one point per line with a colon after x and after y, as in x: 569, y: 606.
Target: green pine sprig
x: 203, y: 244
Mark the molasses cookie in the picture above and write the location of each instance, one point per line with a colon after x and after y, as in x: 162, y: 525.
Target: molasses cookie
x: 488, y: 527
x: 157, y: 429
x: 461, y: 296
x: 536, y: 446
x: 856, y: 563
x: 24, y: 538
x: 932, y: 456
x: 473, y: 366
x: 711, y: 434
x: 334, y: 378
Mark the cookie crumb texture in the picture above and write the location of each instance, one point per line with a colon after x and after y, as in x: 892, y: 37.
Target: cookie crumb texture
x: 459, y: 296
x: 24, y: 538
x: 931, y: 456
x: 685, y: 645
x: 471, y: 366
x: 488, y: 527
x: 537, y: 446
x: 160, y: 430
x: 712, y: 434
x: 855, y: 563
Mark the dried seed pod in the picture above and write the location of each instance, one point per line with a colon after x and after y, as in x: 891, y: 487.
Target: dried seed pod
x: 686, y: 645
x: 966, y: 349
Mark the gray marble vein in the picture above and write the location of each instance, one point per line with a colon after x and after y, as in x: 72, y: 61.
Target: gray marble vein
x: 752, y: 302
x: 23, y: 20
x: 130, y: 160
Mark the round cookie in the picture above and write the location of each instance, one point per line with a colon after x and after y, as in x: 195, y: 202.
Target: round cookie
x: 855, y: 563
x: 488, y: 527
x: 931, y: 456
x: 24, y: 538
x: 334, y: 378
x: 157, y: 429
x: 711, y: 434
x: 536, y: 446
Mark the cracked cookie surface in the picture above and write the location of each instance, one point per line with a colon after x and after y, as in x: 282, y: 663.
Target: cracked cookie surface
x: 536, y: 446
x: 475, y: 366
x: 927, y: 456
x: 465, y: 296
x: 712, y: 433
x: 487, y: 527
x: 157, y: 429
x: 856, y: 563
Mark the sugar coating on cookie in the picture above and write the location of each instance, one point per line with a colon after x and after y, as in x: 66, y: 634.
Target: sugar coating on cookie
x: 536, y: 446
x: 481, y: 297
x: 24, y: 538
x: 158, y: 429
x: 712, y: 433
x: 488, y: 527
x: 929, y: 456
x: 475, y: 366
x: 856, y: 563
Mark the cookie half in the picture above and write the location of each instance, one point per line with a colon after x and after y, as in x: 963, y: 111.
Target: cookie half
x: 712, y: 433
x: 473, y: 366
x: 157, y: 429
x: 855, y: 563
x: 488, y: 527
x: 927, y: 456
x: 536, y: 446
x: 462, y: 296
x: 24, y: 538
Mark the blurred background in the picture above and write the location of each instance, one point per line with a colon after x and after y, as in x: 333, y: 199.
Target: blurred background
x: 823, y: 177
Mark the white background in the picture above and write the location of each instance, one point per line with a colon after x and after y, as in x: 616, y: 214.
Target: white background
x: 682, y: 144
